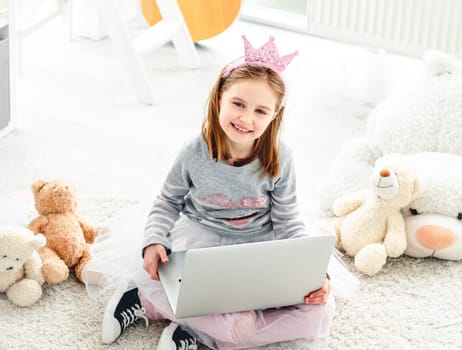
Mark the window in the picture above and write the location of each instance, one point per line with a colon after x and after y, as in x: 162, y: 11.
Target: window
x: 281, y: 13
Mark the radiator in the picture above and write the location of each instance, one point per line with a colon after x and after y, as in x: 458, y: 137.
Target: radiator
x: 407, y: 27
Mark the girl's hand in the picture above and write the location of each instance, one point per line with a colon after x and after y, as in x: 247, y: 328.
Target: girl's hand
x: 319, y: 296
x: 152, y: 255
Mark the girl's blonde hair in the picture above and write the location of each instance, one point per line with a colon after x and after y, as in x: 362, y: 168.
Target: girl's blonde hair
x: 266, y: 147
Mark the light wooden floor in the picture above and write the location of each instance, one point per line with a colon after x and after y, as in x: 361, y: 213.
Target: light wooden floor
x: 79, y: 118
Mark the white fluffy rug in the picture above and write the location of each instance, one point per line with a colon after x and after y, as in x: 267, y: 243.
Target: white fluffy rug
x: 411, y: 304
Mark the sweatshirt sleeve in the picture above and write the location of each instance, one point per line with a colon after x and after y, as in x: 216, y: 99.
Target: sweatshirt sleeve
x: 169, y: 204
x: 284, y: 207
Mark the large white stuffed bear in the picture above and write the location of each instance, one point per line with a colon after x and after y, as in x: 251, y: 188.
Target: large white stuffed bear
x: 434, y: 218
x: 424, y: 123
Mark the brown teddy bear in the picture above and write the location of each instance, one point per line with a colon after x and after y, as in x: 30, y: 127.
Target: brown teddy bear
x: 67, y: 235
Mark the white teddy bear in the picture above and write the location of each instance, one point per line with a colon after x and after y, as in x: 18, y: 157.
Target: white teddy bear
x: 425, y: 124
x: 434, y: 218
x: 371, y: 226
x: 20, y: 265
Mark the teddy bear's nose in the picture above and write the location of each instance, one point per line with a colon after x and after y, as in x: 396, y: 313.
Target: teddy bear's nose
x: 384, y: 173
x: 9, y: 268
x: 435, y: 237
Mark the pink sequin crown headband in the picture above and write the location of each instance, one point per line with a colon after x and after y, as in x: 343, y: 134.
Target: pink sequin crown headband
x: 265, y: 56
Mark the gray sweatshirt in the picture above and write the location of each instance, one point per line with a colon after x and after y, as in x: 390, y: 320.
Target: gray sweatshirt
x: 234, y: 201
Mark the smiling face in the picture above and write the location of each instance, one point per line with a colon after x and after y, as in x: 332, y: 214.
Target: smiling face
x: 244, y: 117
x: 246, y: 109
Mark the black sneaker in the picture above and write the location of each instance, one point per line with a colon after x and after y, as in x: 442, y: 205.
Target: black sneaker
x: 176, y: 338
x: 122, y: 310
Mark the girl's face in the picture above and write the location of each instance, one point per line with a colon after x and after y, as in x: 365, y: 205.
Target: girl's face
x: 246, y: 109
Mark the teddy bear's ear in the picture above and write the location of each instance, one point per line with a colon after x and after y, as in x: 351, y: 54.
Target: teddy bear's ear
x: 38, y: 185
x: 39, y: 241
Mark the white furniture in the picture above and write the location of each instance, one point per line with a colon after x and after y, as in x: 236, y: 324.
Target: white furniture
x: 87, y: 21
x: 7, y: 67
x: 172, y: 27
x: 109, y: 17
x: 63, y: 7
x: 401, y: 26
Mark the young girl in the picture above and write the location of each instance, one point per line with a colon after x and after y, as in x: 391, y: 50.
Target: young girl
x: 234, y: 183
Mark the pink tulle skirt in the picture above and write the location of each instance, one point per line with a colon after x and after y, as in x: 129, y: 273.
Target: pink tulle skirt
x: 116, y: 259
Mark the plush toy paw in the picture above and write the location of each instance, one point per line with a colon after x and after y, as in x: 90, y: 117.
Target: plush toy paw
x: 24, y: 292
x: 433, y: 235
x: 395, y: 247
x: 81, y: 264
x: 55, y: 271
x: 370, y: 259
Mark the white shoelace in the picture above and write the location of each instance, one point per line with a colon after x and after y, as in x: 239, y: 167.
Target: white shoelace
x: 188, y: 344
x: 134, y: 313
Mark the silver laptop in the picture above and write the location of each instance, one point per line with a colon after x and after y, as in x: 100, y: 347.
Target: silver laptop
x: 248, y: 276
